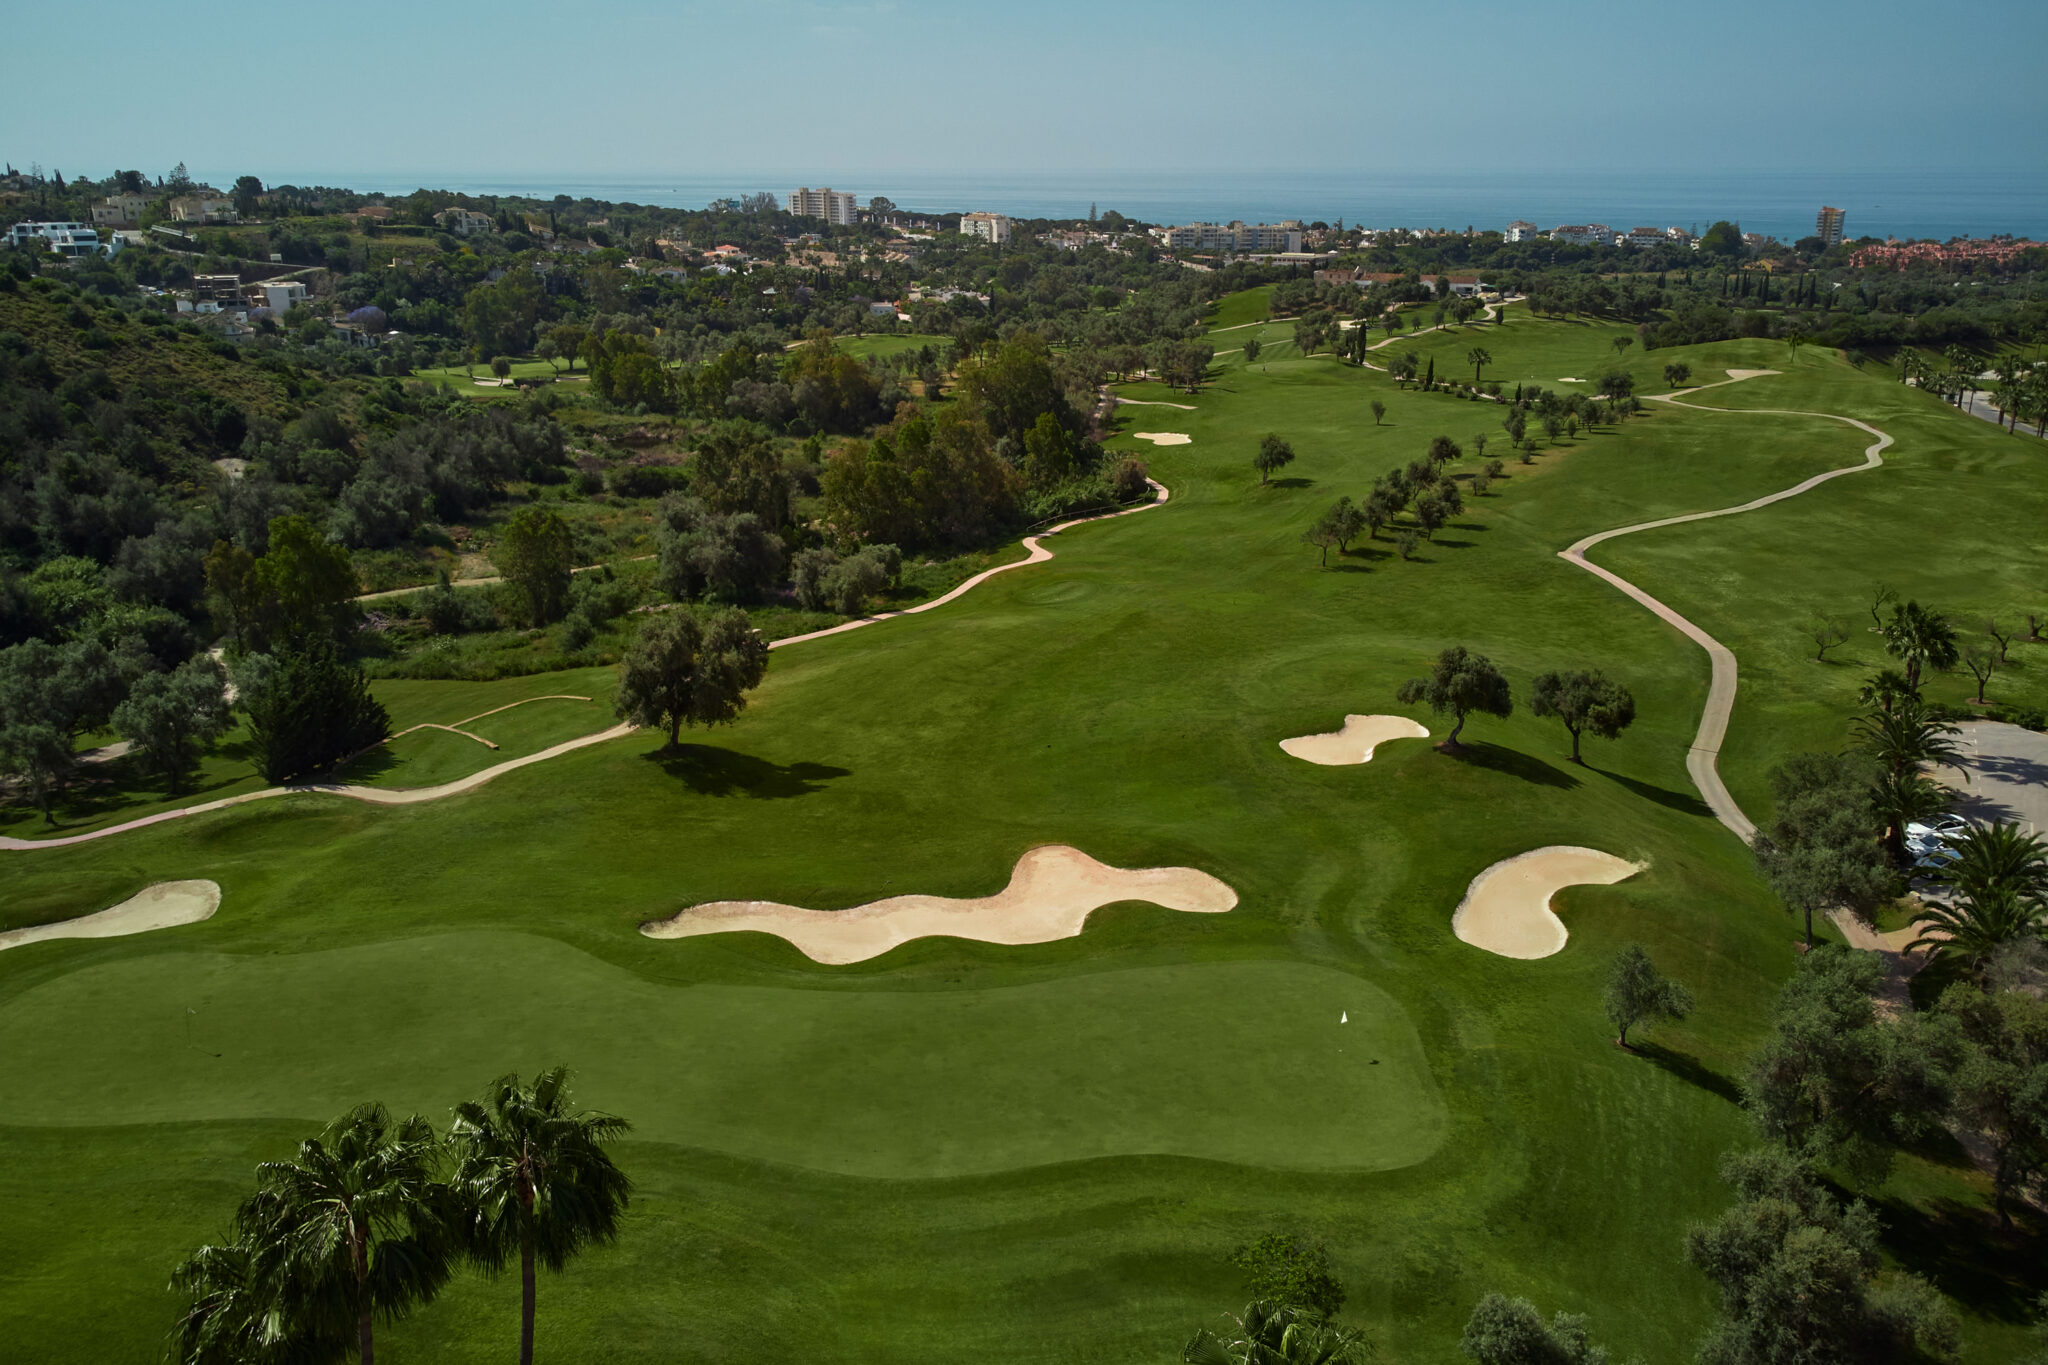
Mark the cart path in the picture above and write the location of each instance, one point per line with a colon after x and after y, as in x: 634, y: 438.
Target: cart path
x: 408, y: 796
x: 1702, y: 759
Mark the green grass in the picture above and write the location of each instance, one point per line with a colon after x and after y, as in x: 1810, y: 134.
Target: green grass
x: 893, y: 343
x: 1101, y: 1064
x: 461, y: 380
x: 1250, y: 305
x: 964, y: 1151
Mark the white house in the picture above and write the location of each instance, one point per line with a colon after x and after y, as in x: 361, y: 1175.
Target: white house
x: 1522, y: 230
x: 990, y: 227
x: 464, y: 223
x: 277, y: 295
x: 207, y: 207
x: 119, y: 210
x: 66, y: 239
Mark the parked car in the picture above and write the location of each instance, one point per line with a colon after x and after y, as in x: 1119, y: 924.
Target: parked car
x: 1935, y: 831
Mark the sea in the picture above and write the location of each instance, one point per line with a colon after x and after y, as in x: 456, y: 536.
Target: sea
x: 1932, y: 203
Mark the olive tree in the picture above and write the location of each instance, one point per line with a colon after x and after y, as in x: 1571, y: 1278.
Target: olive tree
x: 1637, y: 991
x: 1274, y: 453
x: 678, y: 672
x: 1459, y: 684
x: 1584, y: 701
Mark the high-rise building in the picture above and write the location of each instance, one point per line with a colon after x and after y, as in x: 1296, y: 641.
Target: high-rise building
x: 990, y: 227
x: 828, y: 203
x: 1828, y: 226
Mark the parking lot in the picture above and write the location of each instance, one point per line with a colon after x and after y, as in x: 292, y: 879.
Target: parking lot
x: 2007, y: 777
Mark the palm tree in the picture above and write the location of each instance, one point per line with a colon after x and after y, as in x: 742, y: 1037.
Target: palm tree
x: 1479, y: 360
x: 534, y: 1180
x: 1921, y: 637
x: 227, y: 1321
x: 1979, y: 924
x: 354, y: 1227
x: 1271, y: 1333
x: 1906, y: 737
x: 1899, y: 798
x: 1997, y: 857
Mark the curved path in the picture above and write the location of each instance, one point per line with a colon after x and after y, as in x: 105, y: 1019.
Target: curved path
x: 1701, y: 759
x: 406, y: 796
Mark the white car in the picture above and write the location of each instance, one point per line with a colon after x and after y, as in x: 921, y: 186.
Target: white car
x: 1929, y: 842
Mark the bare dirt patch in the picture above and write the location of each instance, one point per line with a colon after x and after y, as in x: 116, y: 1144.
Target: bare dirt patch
x: 1050, y: 896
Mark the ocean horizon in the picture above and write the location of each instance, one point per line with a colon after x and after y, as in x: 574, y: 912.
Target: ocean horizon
x: 1779, y: 203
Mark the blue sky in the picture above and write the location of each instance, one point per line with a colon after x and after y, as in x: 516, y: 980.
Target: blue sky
x: 635, y: 87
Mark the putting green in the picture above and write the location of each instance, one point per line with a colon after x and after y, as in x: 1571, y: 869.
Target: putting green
x: 1232, y: 1061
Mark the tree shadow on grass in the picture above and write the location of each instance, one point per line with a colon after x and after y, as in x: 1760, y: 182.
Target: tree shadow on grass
x: 1689, y: 1069
x: 1291, y: 482
x: 1687, y: 803
x: 1999, y: 1272
x: 1453, y: 544
x: 711, y: 771
x: 1514, y: 763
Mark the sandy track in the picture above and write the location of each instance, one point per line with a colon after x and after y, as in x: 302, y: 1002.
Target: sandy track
x: 1355, y: 740
x: 1151, y: 403
x: 403, y: 796
x: 1506, y: 909
x: 1050, y: 896
x: 1701, y: 760
x: 162, y: 906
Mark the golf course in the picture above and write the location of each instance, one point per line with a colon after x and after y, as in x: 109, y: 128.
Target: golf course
x: 956, y: 1149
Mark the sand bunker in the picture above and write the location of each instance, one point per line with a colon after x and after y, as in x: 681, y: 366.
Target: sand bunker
x: 1749, y: 374
x: 1356, y: 741
x: 156, y: 907
x: 1164, y: 438
x: 1506, y: 910
x: 1050, y: 896
x: 1570, y: 380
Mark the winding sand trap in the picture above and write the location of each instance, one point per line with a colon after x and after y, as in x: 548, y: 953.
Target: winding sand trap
x: 1356, y: 741
x: 1506, y: 909
x: 1163, y: 438
x: 1050, y: 896
x: 162, y: 906
x: 1751, y: 374
x: 1569, y: 380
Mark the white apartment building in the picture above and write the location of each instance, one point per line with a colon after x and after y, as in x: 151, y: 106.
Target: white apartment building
x: 990, y: 227
x: 66, y: 239
x: 1522, y: 230
x: 1236, y: 236
x: 119, y: 210
x: 832, y: 205
x: 1583, y: 234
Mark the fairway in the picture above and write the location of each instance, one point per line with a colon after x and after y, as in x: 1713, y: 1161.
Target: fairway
x: 963, y: 1150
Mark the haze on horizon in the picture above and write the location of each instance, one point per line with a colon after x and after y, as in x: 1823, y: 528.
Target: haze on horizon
x: 630, y: 87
